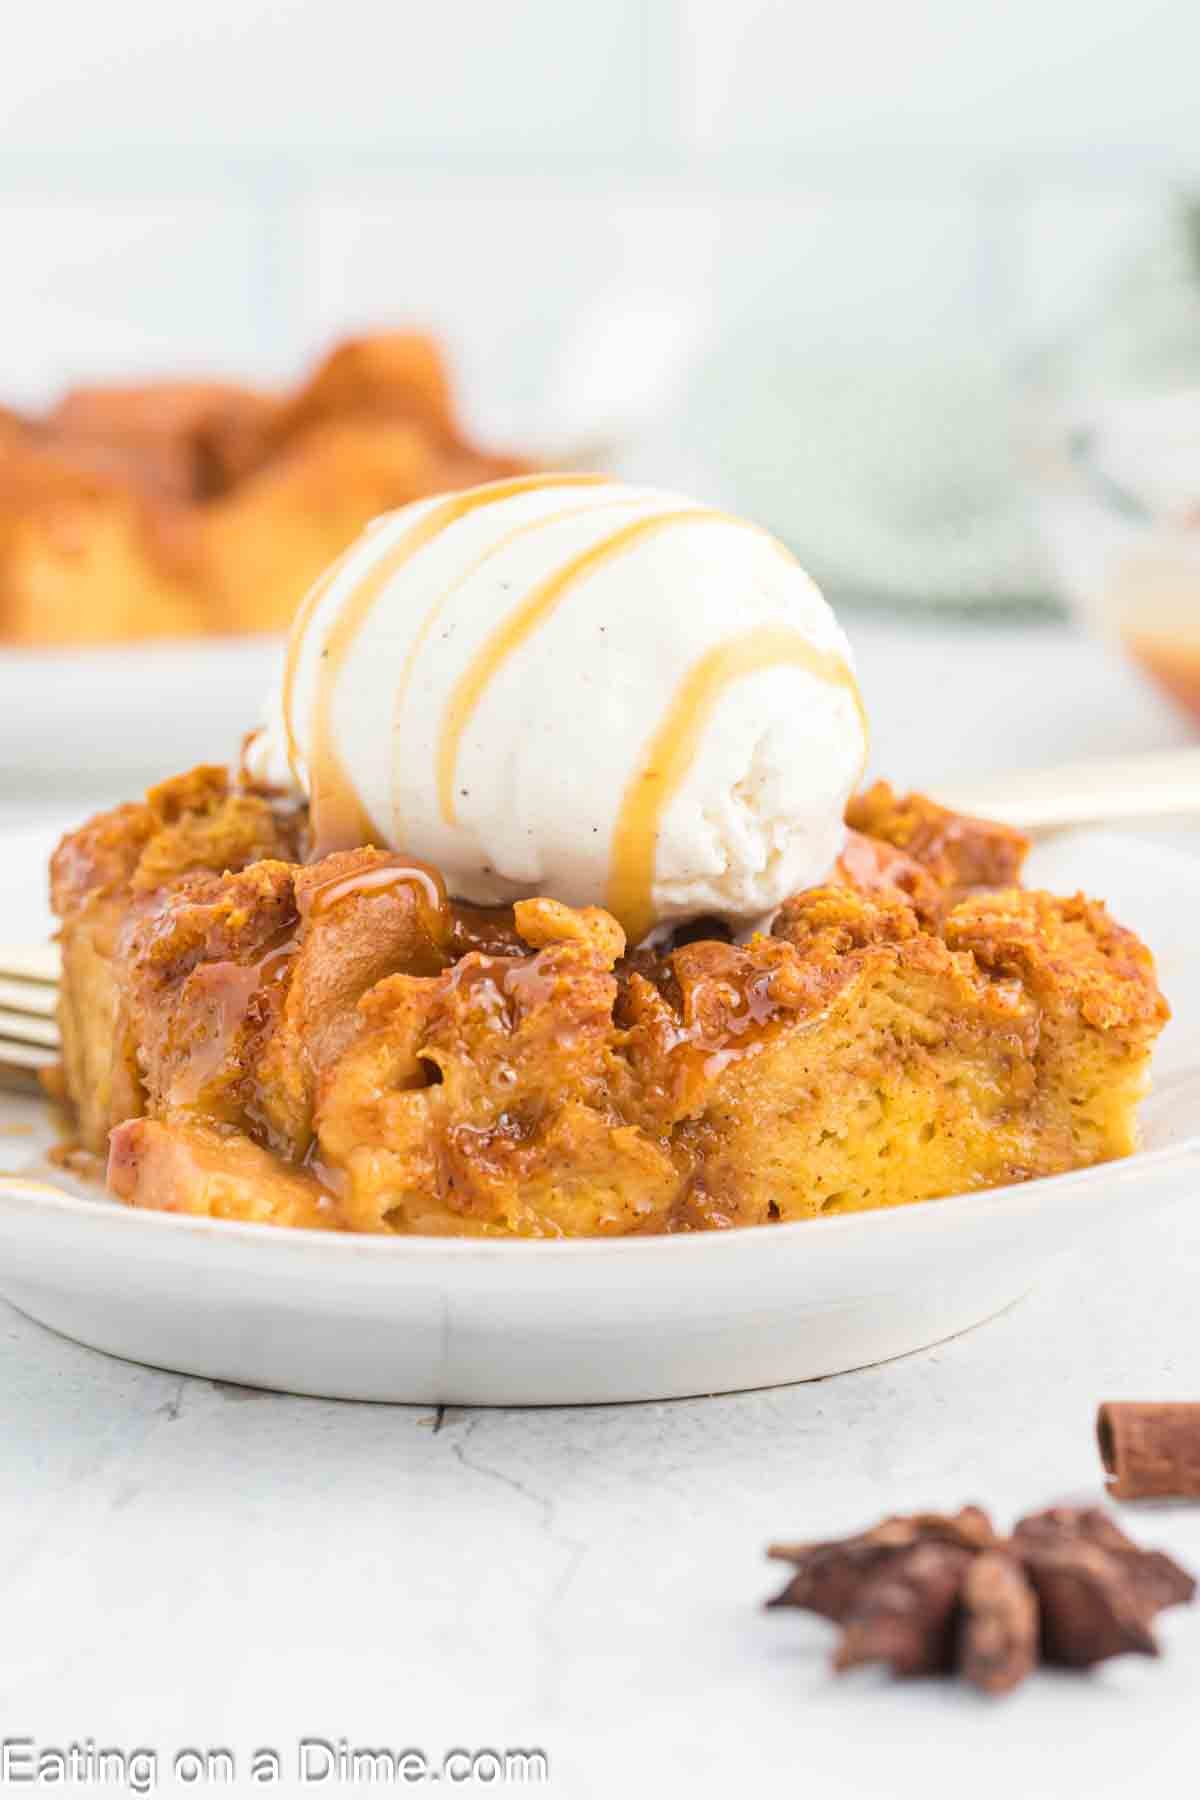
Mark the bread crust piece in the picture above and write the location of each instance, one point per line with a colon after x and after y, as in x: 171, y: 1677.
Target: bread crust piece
x: 176, y: 507
x: 959, y: 852
x: 161, y: 433
x: 261, y: 544
x: 86, y: 553
x: 404, y: 1064
x: 102, y: 878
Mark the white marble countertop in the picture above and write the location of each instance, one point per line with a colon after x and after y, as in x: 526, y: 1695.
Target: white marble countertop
x: 191, y: 1566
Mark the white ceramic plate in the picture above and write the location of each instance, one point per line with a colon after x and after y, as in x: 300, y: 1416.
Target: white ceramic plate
x: 135, y: 709
x: 436, y: 1320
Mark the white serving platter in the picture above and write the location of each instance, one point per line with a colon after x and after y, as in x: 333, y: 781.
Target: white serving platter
x: 432, y: 1320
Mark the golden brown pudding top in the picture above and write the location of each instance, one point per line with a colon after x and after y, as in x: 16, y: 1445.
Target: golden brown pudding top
x: 398, y: 1061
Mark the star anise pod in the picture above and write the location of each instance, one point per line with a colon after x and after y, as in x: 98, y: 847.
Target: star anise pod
x: 939, y: 1592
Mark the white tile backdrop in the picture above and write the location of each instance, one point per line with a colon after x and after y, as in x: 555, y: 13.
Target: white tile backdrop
x: 187, y: 184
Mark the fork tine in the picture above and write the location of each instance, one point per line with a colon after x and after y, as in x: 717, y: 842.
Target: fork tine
x: 26, y: 1056
x: 29, y: 977
x: 21, y: 1028
x: 31, y: 962
x: 35, y: 997
x: 14, y: 1055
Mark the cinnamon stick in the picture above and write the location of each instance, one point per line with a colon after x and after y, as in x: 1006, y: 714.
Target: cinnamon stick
x: 1150, y: 1449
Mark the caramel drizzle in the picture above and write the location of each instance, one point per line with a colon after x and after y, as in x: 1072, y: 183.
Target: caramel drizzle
x: 439, y: 606
x: 231, y: 988
x: 524, y: 619
x: 671, y: 751
x: 340, y: 819
x: 296, y: 636
x: 381, y: 878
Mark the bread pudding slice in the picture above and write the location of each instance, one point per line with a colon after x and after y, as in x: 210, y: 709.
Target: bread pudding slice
x: 170, y: 508
x: 337, y: 1044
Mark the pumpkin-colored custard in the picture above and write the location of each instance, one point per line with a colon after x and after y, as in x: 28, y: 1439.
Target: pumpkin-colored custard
x: 334, y: 1043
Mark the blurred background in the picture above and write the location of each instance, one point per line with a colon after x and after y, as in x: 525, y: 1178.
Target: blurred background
x: 918, y: 286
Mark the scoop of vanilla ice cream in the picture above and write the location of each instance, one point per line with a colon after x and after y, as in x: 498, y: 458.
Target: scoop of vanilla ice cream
x: 576, y: 687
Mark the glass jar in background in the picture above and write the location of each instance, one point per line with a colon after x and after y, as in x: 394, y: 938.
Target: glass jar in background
x: 1121, y: 520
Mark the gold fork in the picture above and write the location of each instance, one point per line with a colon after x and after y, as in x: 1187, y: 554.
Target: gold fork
x: 29, y: 1041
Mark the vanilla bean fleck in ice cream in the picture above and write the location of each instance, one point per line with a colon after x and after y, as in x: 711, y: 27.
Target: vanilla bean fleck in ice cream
x: 561, y: 684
